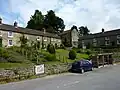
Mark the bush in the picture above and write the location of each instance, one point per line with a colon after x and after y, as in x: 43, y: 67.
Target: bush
x: 4, y: 53
x: 50, y: 57
x: 72, y: 54
x: 88, y: 52
x: 51, y: 48
x: 56, y: 46
x: 62, y: 46
x: 79, y: 51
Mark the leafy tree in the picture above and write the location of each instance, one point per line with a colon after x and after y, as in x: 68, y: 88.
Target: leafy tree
x: 36, y: 21
x: 84, y: 30
x: 23, y: 41
x: 51, y: 48
x: 50, y: 22
x: 74, y: 27
x: 54, y: 22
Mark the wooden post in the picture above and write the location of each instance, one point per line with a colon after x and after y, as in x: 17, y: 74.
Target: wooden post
x: 63, y: 59
x: 103, y: 60
x: 59, y: 57
x: 97, y: 61
x: 108, y: 60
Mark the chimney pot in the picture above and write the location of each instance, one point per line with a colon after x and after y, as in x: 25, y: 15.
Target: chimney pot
x: 15, y: 24
x: 103, y: 30
x: 0, y: 20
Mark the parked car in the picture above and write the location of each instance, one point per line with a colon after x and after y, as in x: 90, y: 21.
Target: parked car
x: 81, y: 66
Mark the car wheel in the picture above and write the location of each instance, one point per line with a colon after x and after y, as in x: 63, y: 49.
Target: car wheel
x: 91, y: 69
x: 82, y: 71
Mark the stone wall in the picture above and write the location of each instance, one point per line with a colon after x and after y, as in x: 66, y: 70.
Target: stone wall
x: 49, y: 70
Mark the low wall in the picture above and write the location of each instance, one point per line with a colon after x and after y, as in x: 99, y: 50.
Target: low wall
x: 26, y: 73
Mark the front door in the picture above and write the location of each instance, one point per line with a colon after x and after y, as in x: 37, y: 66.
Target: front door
x: 0, y: 42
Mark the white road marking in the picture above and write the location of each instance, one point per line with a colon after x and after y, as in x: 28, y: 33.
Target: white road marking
x: 71, y: 83
x: 57, y: 86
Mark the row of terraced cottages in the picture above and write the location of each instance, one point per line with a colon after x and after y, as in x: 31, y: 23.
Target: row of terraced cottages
x: 10, y: 35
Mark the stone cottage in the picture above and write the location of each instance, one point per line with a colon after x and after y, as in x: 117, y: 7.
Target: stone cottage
x: 70, y: 38
x: 10, y: 35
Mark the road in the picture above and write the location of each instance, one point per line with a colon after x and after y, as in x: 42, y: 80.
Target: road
x: 107, y: 78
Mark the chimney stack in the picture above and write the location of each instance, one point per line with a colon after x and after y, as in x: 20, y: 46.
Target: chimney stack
x: 103, y: 30
x: 0, y: 20
x: 15, y: 24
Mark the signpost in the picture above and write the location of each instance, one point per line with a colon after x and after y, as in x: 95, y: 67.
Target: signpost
x: 39, y: 69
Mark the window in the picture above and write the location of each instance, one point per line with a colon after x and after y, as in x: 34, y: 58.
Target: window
x: 94, y: 40
x: 94, y: 44
x: 59, y: 40
x: 10, y: 42
x: 82, y: 42
x: 51, y: 39
x: 10, y: 34
x: 38, y: 39
x: 106, y: 38
x: 45, y: 38
x: 54, y: 39
x: 0, y: 33
x: 107, y: 42
x: 75, y: 43
x: 118, y: 36
x: 118, y: 41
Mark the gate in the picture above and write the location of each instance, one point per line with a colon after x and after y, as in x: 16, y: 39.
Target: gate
x: 0, y: 42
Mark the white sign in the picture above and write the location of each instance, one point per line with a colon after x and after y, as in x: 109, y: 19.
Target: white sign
x: 39, y: 69
x: 84, y: 47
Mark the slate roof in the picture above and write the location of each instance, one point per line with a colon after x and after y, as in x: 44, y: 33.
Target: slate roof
x: 6, y: 27
x: 105, y: 34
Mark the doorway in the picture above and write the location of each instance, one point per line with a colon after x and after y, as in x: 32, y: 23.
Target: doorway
x: 0, y: 42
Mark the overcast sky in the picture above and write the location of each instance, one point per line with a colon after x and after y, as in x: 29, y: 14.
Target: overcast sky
x: 95, y: 14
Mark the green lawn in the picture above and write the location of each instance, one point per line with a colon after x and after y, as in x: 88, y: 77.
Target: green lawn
x: 16, y: 60
x: 13, y: 65
x: 63, y: 55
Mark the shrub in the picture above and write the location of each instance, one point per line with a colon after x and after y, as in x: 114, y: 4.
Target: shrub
x: 62, y: 46
x: 50, y: 57
x: 51, y: 48
x: 72, y: 54
x: 4, y: 53
x: 88, y: 52
x: 79, y: 51
x: 56, y: 46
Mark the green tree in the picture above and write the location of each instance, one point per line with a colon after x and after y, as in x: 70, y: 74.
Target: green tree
x: 50, y: 22
x: 84, y: 30
x: 36, y: 21
x: 74, y: 27
x: 54, y: 22
x: 51, y: 48
x: 23, y: 41
x: 72, y: 54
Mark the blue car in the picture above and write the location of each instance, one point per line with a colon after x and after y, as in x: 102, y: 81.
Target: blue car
x: 81, y: 66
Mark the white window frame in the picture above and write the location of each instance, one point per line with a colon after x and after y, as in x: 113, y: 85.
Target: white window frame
x: 52, y: 39
x: 38, y: 38
x: 118, y: 42
x: 59, y: 40
x: 45, y: 38
x: 1, y: 33
x: 9, y: 34
x: 107, y: 43
x: 94, y: 40
x: 118, y: 36
x: 106, y: 38
x: 8, y: 42
x: 55, y: 39
x: 94, y: 43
